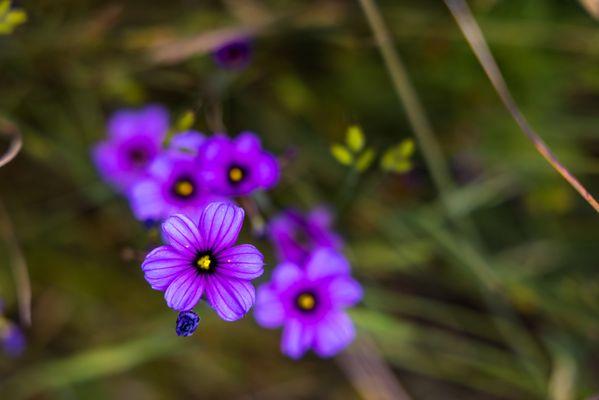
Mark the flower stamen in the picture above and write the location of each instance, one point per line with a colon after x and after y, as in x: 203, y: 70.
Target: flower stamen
x: 235, y: 174
x: 184, y: 188
x: 306, y: 301
x: 204, y: 262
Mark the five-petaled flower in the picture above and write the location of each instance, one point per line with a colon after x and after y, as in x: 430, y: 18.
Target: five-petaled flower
x: 236, y: 167
x: 174, y: 183
x: 309, y: 303
x: 295, y: 235
x: 201, y: 259
x: 134, y: 140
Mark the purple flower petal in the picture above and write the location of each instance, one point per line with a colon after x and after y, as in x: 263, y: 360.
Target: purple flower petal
x: 285, y: 275
x: 220, y: 224
x: 231, y: 298
x: 269, y: 311
x: 326, y: 262
x: 105, y: 157
x: 146, y: 200
x: 162, y: 166
x: 297, y: 338
x: 188, y: 141
x: 247, y: 143
x: 243, y: 262
x: 344, y: 291
x: 185, y: 291
x: 333, y: 334
x: 267, y: 171
x: 153, y: 120
x: 122, y: 124
x: 107, y: 161
x: 181, y: 233
x: 163, y: 265
x: 214, y: 149
x: 321, y: 216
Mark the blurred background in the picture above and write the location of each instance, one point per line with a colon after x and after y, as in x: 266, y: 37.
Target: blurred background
x: 496, y: 299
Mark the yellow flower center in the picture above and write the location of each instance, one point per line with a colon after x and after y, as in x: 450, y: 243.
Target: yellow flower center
x: 204, y: 262
x: 184, y: 188
x: 306, y: 301
x: 235, y: 174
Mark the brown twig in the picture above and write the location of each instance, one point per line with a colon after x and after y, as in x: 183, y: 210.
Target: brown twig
x: 592, y: 6
x: 369, y: 373
x: 474, y: 36
x: 16, y: 141
x: 176, y: 50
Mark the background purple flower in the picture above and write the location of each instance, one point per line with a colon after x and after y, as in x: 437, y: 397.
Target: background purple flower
x: 236, y: 167
x: 134, y: 139
x: 235, y: 54
x: 295, y: 235
x: 309, y: 303
x: 13, y: 340
x: 201, y: 259
x: 174, y: 183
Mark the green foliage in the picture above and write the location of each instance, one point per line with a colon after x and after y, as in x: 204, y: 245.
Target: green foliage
x: 353, y: 152
x: 185, y: 121
x: 342, y: 154
x: 10, y: 18
x: 354, y: 138
x: 398, y: 158
x: 499, y: 300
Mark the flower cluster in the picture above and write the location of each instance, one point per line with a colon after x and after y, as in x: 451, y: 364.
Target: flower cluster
x: 309, y: 302
x: 184, y: 177
x: 310, y: 288
x: 190, y: 185
x: 189, y: 182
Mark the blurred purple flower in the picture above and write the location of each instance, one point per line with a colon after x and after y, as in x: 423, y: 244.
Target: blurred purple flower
x: 235, y: 54
x: 202, y: 259
x: 134, y: 139
x: 309, y: 303
x: 235, y: 167
x: 174, y: 183
x: 294, y: 234
x: 187, y: 323
x: 13, y: 340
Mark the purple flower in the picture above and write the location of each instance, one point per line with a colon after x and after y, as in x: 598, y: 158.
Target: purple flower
x: 13, y: 340
x: 309, y: 303
x: 235, y: 167
x: 235, y: 54
x: 134, y: 139
x: 174, y: 183
x: 187, y: 323
x: 201, y: 259
x: 294, y: 235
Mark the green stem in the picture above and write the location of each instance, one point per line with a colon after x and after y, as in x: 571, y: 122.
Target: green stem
x: 431, y: 150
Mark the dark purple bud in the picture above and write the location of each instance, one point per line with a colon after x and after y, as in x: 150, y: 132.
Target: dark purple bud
x: 187, y: 323
x: 235, y: 54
